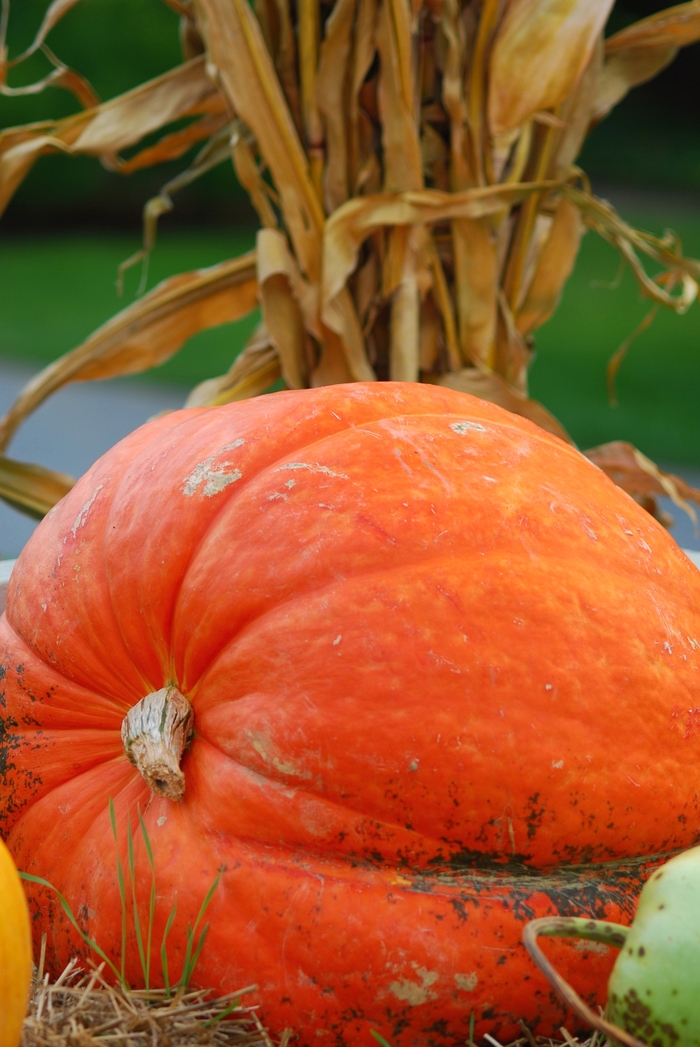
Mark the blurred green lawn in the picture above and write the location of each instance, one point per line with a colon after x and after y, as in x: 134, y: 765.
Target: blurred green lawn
x: 54, y: 291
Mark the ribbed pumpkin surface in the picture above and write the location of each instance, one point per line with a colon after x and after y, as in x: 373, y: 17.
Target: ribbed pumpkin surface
x: 445, y: 677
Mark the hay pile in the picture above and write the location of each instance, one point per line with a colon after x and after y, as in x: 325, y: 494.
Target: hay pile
x: 80, y: 1009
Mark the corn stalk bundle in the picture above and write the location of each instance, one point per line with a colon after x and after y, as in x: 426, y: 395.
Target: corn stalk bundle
x: 412, y: 164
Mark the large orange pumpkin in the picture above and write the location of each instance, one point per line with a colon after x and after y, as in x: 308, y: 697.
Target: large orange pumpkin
x: 445, y: 677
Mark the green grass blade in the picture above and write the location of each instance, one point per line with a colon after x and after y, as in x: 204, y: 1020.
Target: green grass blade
x: 132, y: 875
x: 152, y: 902
x: 189, y: 964
x: 223, y: 1014
x: 122, y: 889
x: 379, y: 1038
x: 30, y: 878
x: 164, y: 950
x: 197, y: 951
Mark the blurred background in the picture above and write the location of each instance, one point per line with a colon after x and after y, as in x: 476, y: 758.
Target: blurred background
x: 71, y: 223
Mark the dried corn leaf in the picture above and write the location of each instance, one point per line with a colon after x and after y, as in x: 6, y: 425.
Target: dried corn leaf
x: 146, y: 333
x: 576, y: 113
x: 250, y: 176
x: 599, y: 215
x: 357, y: 219
x: 175, y: 145
x: 360, y: 151
x: 332, y: 367
x: 542, y: 47
x: 60, y: 76
x: 673, y: 27
x: 640, y: 477
x: 404, y: 331
x: 331, y: 91
x: 639, y: 52
x: 31, y: 489
x: 493, y: 388
x: 308, y: 35
x: 553, y: 270
x: 237, y: 48
x: 278, y: 277
x: 476, y: 285
x: 216, y: 151
x: 625, y: 70
x: 276, y: 24
x: 513, y: 354
x: 252, y: 372
x: 403, y: 167
x: 103, y: 131
x: 53, y: 15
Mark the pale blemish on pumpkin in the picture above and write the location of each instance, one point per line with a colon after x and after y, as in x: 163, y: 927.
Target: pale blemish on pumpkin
x: 263, y: 746
x: 467, y: 982
x: 413, y: 993
x: 695, y: 644
x: 465, y: 427
x: 83, y: 514
x: 337, y: 640
x: 557, y: 764
x: 313, y: 468
x: 214, y: 480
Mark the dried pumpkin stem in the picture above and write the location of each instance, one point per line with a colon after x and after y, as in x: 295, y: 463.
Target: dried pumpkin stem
x: 155, y: 732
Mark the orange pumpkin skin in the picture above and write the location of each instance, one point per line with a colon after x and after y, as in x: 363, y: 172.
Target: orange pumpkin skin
x: 445, y: 678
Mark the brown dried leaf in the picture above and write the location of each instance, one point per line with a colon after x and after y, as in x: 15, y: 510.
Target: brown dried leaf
x: 553, y: 270
x: 278, y: 277
x: 175, y: 145
x: 252, y: 372
x: 599, y: 215
x: 54, y: 13
x: 276, y: 24
x: 673, y: 27
x: 146, y: 333
x: 250, y: 176
x: 360, y: 151
x: 493, y: 388
x: 403, y: 168
x: 237, y: 48
x: 357, y: 219
x: 625, y: 70
x: 331, y: 90
x: 640, y: 477
x: 32, y: 489
x: 60, y: 76
x: 476, y: 284
x: 576, y: 112
x: 542, y: 47
x: 110, y: 127
x: 636, y: 54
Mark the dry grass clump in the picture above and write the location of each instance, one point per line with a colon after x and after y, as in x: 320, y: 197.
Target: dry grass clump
x: 80, y: 1009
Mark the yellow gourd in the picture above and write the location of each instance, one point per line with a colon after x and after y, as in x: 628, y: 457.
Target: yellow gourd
x: 15, y: 952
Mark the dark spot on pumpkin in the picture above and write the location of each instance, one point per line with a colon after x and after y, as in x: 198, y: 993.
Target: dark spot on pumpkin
x: 641, y: 951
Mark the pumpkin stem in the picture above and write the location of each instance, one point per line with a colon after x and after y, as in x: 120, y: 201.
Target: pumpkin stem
x: 155, y: 732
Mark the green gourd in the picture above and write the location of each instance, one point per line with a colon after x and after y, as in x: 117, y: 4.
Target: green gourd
x: 654, y: 987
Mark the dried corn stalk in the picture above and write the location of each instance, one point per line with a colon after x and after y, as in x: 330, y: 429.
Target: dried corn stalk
x: 412, y: 166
